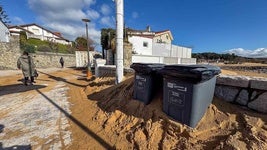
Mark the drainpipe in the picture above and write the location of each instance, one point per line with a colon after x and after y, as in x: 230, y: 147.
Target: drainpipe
x: 119, y: 40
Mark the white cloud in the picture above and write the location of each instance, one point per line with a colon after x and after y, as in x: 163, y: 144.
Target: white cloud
x: 17, y: 20
x: 257, y: 53
x: 92, y: 14
x: 63, y: 15
x: 66, y: 16
x: 52, y: 5
x: 70, y: 30
x: 105, y: 9
x: 135, y: 15
x: 107, y: 21
x: 89, y: 2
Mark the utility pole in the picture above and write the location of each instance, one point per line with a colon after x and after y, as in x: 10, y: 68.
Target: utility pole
x: 119, y: 40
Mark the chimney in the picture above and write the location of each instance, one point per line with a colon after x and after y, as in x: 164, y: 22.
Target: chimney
x: 148, y: 28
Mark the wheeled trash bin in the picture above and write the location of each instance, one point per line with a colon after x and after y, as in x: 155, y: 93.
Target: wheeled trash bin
x: 147, y: 81
x: 187, y: 91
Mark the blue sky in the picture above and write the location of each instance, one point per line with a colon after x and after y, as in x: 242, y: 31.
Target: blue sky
x: 238, y: 26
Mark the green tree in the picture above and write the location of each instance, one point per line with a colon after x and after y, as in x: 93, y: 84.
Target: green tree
x: 107, y: 34
x: 3, y: 16
x: 81, y: 44
x: 24, y: 46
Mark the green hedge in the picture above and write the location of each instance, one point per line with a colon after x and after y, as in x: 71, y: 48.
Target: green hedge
x: 32, y: 45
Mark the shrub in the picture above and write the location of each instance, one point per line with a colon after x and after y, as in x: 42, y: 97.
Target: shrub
x: 27, y: 47
x: 44, y: 48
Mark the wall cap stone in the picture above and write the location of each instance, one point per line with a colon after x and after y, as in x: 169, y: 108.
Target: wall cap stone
x: 258, y: 83
x: 237, y: 81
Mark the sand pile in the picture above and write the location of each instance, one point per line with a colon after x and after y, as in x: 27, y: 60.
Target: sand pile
x: 129, y: 124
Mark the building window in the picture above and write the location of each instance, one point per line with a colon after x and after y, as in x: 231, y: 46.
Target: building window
x: 36, y: 31
x: 145, y: 44
x: 167, y: 37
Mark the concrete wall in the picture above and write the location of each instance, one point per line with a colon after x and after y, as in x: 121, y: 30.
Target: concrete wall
x: 160, y: 59
x: 161, y: 49
x: 169, y: 50
x: 10, y: 52
x: 82, y: 58
x: 180, y: 51
x: 250, y: 92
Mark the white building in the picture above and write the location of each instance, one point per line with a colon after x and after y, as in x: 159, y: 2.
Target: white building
x: 38, y: 32
x: 4, y: 32
x: 142, y: 41
x: 146, y: 42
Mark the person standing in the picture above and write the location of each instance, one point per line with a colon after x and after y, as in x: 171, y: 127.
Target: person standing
x: 61, y: 62
x: 26, y: 64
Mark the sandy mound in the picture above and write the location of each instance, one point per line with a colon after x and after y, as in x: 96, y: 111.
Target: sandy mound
x: 138, y: 126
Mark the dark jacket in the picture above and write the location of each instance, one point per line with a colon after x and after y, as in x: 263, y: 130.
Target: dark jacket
x: 61, y: 60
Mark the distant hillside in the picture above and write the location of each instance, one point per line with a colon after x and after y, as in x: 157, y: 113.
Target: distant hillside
x: 226, y: 58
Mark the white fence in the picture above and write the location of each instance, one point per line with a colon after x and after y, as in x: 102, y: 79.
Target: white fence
x: 169, y: 50
x: 162, y: 59
x: 82, y: 59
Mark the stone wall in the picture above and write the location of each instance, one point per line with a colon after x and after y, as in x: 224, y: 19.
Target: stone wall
x: 110, y: 71
x: 250, y: 92
x: 127, y: 54
x: 10, y: 52
x: 48, y: 60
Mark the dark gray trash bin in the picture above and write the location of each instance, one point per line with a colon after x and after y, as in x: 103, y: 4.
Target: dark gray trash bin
x: 147, y: 81
x: 187, y: 91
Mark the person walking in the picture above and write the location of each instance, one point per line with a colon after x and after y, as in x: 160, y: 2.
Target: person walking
x: 61, y: 62
x: 26, y: 64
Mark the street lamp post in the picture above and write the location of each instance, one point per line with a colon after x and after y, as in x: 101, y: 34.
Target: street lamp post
x: 89, y: 73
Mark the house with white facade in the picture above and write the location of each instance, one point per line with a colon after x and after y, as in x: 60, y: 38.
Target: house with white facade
x: 39, y: 32
x: 4, y: 32
x: 147, y: 42
x: 149, y: 46
x: 163, y: 37
x: 142, y: 41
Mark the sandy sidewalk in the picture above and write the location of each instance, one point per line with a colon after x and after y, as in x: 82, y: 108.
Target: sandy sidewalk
x: 65, y: 110
x: 29, y: 115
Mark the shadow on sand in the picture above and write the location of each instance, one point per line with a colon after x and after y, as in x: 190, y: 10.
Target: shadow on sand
x: 18, y: 88
x: 15, y: 147
x: 61, y: 79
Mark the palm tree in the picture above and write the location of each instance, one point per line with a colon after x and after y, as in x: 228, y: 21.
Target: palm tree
x: 3, y: 16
